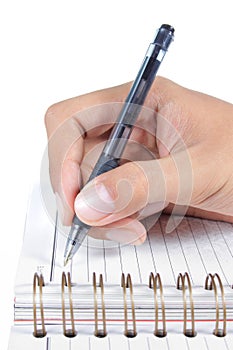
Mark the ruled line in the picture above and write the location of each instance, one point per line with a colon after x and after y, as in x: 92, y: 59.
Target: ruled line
x: 194, y: 239
x: 214, y: 251
x: 182, y: 249
x: 54, y: 250
x: 139, y: 270
x: 166, y: 247
x: 151, y: 251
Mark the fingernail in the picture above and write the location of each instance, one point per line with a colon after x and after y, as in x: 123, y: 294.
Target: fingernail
x: 124, y: 236
x: 60, y: 207
x: 94, y: 203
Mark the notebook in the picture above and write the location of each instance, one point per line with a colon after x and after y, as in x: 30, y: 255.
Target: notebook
x: 172, y: 292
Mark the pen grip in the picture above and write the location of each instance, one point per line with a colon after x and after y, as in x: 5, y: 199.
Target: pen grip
x: 103, y: 165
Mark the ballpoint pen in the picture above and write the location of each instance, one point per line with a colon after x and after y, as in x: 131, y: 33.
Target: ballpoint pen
x: 115, y: 145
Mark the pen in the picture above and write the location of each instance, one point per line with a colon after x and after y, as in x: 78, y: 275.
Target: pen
x: 115, y: 145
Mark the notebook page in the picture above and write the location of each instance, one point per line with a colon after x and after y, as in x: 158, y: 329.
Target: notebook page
x: 38, y: 252
x: 196, y: 246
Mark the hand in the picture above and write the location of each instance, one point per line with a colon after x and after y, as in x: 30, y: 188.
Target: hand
x: 186, y: 138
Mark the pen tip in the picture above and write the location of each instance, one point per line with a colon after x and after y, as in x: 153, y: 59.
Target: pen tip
x: 66, y: 260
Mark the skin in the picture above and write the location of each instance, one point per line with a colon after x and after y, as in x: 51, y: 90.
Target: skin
x: 180, y: 159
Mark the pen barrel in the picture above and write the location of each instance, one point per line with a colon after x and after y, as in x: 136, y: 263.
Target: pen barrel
x: 105, y: 163
x: 144, y: 79
x: 130, y: 111
x: 114, y: 147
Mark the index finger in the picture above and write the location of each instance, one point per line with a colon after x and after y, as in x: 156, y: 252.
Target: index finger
x: 68, y: 123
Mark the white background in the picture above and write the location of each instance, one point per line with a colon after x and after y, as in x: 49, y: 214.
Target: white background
x: 53, y: 50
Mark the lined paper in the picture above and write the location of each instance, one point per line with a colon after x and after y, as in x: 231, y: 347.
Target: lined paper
x: 196, y: 246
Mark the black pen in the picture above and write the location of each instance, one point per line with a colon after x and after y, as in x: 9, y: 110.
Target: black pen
x: 112, y: 152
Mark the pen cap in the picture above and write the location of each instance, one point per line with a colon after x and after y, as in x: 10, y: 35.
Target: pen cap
x: 164, y: 36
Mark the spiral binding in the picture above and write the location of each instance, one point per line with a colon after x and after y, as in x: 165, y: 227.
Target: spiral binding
x: 127, y: 283
x: 155, y: 283
x: 209, y: 285
x: 70, y: 333
x: 212, y: 282
x: 38, y: 280
x: 181, y: 285
x: 99, y: 332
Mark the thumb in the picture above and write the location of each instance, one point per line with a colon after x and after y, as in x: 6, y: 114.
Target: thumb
x: 127, y: 189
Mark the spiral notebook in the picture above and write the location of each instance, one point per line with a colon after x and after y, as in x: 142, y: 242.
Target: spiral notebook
x: 172, y: 292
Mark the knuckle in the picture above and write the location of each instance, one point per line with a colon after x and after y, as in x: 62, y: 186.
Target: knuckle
x: 161, y: 93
